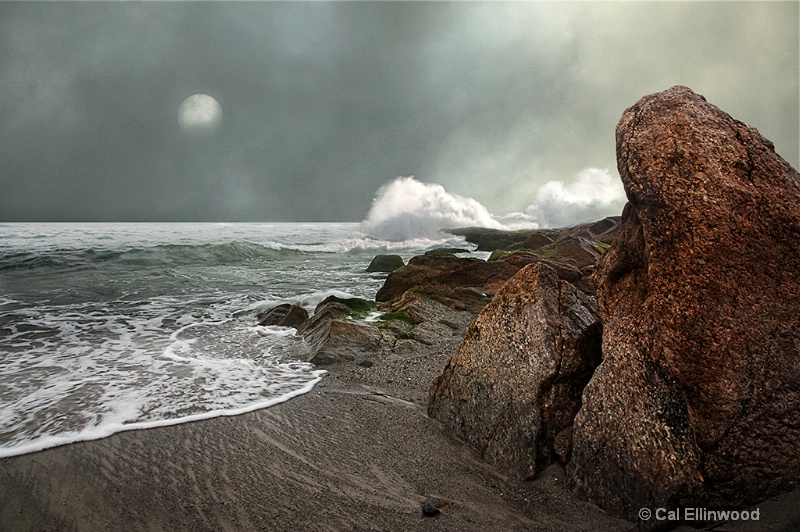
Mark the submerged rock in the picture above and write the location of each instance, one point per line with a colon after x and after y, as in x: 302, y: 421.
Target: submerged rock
x: 385, y: 263
x: 515, y: 381
x: 696, y: 401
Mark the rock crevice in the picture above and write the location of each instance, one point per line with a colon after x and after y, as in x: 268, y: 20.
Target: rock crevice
x: 513, y: 385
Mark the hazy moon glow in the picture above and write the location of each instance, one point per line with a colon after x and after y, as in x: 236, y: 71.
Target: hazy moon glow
x: 199, y: 114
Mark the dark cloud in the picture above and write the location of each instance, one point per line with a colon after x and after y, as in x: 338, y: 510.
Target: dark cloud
x: 325, y: 102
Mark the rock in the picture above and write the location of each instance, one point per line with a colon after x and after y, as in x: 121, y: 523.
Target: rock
x: 579, y: 251
x: 466, y: 283
x: 446, y: 251
x: 419, y: 309
x: 429, y: 510
x: 566, y: 271
x: 496, y: 254
x: 515, y: 381
x: 606, y: 224
x: 356, y: 307
x: 536, y: 241
x: 425, y: 320
x: 332, y: 339
x: 397, y: 323
x: 385, y: 263
x: 431, y: 332
x: 456, y: 282
x: 284, y: 315
x: 533, y: 240
x: 492, y: 239
x: 697, y: 401
x: 340, y: 341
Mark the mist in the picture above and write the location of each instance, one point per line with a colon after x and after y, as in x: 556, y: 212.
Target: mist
x: 592, y: 194
x: 406, y: 208
x: 325, y: 102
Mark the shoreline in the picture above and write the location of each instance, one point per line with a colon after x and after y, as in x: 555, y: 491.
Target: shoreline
x: 357, y: 452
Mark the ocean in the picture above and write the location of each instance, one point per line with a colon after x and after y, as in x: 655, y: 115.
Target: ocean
x: 106, y: 327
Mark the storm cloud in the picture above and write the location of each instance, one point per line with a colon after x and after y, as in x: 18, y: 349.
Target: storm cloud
x: 326, y: 102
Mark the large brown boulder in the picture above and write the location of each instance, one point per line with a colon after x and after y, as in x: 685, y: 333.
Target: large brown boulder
x: 514, y: 384
x: 697, y: 401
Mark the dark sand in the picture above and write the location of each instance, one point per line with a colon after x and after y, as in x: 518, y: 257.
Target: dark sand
x: 356, y: 453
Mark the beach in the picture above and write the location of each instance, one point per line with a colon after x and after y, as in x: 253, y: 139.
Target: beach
x: 356, y: 453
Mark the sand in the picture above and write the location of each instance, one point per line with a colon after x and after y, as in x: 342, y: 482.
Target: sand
x: 356, y: 453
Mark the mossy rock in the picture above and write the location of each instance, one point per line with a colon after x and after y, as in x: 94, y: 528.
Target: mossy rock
x: 357, y: 308
x: 400, y: 315
x: 602, y: 247
x: 496, y: 254
x: 399, y: 323
x: 385, y: 263
x: 545, y: 252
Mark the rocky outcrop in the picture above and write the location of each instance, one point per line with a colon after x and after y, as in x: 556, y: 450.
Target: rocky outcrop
x: 594, y: 234
x: 333, y: 338
x: 488, y: 239
x: 696, y: 401
x: 513, y: 385
x: 385, y: 263
x: 467, y: 283
x: 579, y: 251
x: 536, y: 241
x: 446, y: 251
x: 284, y: 315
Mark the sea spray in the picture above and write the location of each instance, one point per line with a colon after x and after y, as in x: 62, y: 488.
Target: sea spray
x: 406, y: 208
x: 592, y: 194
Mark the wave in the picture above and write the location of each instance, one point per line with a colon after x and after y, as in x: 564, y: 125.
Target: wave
x: 407, y: 209
x: 84, y: 375
x: 160, y: 255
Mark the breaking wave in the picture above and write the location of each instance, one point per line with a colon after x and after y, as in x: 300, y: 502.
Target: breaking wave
x: 407, y: 209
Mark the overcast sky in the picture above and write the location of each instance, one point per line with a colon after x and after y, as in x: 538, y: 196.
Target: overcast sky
x: 325, y: 102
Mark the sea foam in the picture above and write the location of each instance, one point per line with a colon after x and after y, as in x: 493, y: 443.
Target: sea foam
x: 113, y: 327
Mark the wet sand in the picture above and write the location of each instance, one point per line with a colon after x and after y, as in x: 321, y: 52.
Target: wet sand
x: 356, y: 453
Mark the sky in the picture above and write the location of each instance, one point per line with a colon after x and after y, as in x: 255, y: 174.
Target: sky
x: 500, y: 107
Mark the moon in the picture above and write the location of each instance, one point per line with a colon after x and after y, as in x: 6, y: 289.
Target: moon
x: 199, y: 115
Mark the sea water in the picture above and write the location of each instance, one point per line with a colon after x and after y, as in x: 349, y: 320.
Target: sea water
x: 112, y: 327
